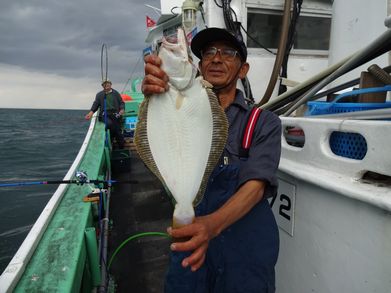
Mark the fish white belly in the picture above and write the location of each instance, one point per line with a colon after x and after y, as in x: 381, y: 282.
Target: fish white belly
x: 180, y: 139
x: 181, y: 133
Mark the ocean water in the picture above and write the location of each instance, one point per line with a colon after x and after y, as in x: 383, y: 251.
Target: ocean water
x: 35, y: 145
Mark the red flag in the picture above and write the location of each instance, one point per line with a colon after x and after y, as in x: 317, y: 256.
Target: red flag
x: 191, y: 35
x: 150, y: 22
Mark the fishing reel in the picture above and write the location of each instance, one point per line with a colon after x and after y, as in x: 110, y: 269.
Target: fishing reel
x: 112, y: 115
x: 81, y: 177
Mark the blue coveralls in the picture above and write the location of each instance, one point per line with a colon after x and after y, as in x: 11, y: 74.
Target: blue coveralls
x: 243, y: 256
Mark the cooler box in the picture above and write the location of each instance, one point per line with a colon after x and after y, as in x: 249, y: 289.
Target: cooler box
x: 131, y: 108
x: 130, y: 126
x: 131, y: 122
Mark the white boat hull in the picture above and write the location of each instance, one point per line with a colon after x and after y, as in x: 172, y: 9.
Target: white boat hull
x: 339, y: 244
x: 335, y: 228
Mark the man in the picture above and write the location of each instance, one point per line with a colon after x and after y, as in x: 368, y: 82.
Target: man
x: 111, y: 107
x: 233, y: 242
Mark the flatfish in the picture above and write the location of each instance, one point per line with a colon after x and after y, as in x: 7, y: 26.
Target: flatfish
x: 181, y: 133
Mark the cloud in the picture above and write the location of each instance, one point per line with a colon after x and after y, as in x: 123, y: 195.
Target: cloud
x: 20, y: 88
x: 63, y: 39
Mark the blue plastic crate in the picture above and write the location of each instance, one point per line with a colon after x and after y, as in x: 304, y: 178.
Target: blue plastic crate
x: 323, y: 108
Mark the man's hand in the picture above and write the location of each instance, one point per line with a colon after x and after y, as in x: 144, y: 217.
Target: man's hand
x: 89, y: 115
x: 200, y: 233
x: 207, y: 227
x: 155, y: 80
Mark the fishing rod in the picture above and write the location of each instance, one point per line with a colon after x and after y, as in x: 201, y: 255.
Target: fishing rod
x: 81, y: 178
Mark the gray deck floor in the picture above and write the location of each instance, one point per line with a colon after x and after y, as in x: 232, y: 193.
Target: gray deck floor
x: 143, y: 207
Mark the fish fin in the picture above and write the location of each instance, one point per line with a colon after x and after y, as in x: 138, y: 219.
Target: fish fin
x: 141, y: 140
x: 206, y: 84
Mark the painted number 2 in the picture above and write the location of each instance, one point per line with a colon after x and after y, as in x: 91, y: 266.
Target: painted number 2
x: 285, y: 205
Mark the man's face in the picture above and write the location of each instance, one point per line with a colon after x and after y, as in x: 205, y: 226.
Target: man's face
x: 221, y: 68
x: 106, y: 86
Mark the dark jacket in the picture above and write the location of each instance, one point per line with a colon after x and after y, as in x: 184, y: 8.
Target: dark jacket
x: 99, y: 102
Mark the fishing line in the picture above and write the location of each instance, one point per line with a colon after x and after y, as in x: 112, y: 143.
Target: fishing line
x: 139, y: 235
x: 105, y: 120
x: 131, y: 74
x: 104, y: 73
x: 104, y: 52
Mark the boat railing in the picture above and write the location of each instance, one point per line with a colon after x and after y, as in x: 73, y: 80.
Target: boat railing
x: 17, y: 265
x: 317, y: 161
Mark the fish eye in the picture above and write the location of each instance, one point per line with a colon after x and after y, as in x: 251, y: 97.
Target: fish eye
x: 172, y: 38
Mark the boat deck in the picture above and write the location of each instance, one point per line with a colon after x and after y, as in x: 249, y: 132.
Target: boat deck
x: 141, y: 264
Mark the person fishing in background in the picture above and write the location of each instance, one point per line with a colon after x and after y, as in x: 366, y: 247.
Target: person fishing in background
x: 109, y: 100
x: 233, y: 243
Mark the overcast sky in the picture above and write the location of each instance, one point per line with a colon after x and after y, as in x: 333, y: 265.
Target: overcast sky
x: 50, y: 51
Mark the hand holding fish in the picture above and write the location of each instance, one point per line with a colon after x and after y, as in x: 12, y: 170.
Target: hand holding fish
x: 200, y: 233
x: 205, y: 228
x: 155, y: 80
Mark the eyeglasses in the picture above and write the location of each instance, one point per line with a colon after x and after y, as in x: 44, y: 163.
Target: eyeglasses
x: 225, y: 53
